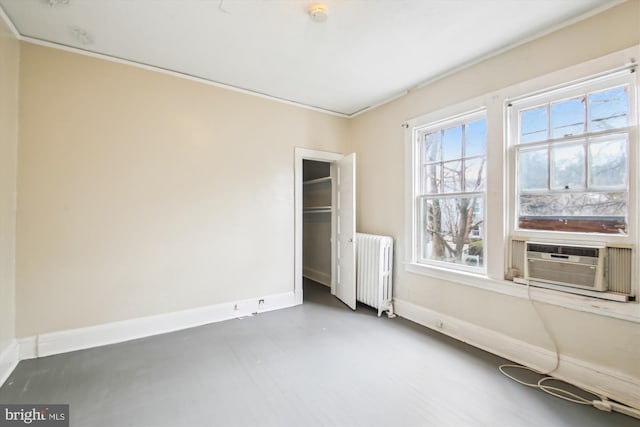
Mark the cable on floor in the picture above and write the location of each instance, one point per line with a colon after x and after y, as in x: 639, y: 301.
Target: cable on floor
x: 600, y: 402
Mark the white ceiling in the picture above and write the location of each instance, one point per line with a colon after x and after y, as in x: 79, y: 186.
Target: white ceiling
x: 365, y: 53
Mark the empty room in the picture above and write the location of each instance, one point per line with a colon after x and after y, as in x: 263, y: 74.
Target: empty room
x: 306, y: 213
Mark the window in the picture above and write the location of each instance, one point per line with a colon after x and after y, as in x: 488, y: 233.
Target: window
x: 553, y: 160
x: 572, y: 157
x: 449, y: 191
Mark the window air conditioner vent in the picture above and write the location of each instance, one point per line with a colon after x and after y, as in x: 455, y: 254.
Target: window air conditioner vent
x: 604, y: 271
x: 564, y: 250
x: 566, y: 265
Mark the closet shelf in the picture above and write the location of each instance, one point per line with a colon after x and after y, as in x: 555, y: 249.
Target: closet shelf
x: 317, y: 209
x: 318, y: 180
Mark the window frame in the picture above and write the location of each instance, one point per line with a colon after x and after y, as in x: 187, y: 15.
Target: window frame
x: 441, y: 120
x: 554, y: 94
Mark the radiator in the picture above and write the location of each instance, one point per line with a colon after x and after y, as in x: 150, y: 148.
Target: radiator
x: 374, y: 268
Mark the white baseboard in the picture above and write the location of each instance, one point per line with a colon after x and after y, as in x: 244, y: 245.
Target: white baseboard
x: 598, y: 379
x: 8, y: 361
x: 27, y: 348
x: 115, y: 332
x: 317, y: 276
x: 277, y: 301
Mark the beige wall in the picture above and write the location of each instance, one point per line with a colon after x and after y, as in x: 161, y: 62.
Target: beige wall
x: 378, y: 140
x: 9, y: 59
x: 142, y: 193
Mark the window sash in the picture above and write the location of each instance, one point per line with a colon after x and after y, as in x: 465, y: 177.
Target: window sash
x: 588, y: 165
x: 423, y: 192
x: 611, y: 79
x: 594, y: 180
x: 584, y: 136
x: 462, y: 260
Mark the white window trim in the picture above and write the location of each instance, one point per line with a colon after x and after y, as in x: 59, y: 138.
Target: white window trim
x: 496, y: 171
x: 499, y: 186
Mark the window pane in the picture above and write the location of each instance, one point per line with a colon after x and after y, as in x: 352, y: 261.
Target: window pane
x: 452, y: 143
x: 567, y: 118
x: 453, y: 230
x: 432, y: 142
x: 432, y: 178
x: 608, y: 164
x: 452, y: 177
x: 580, y: 204
x: 567, y: 167
x: 534, y: 125
x: 474, y: 174
x: 476, y: 138
x: 608, y: 109
x: 595, y: 212
x: 566, y: 181
x: 533, y: 169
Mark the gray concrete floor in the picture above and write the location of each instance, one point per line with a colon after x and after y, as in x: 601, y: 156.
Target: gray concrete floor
x: 319, y: 364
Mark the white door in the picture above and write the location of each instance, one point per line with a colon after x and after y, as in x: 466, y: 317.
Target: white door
x: 346, y: 230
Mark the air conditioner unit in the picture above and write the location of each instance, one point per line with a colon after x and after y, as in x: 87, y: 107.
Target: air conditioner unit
x: 577, y: 266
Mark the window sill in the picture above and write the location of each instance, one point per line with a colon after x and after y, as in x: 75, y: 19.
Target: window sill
x: 629, y: 311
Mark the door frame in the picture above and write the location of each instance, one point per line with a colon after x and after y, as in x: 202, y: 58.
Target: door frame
x: 323, y: 156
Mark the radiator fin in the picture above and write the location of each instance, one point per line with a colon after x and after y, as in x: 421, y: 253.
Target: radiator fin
x: 619, y: 261
x: 374, y: 271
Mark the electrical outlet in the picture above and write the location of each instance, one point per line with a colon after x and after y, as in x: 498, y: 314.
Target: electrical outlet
x: 236, y: 308
x: 260, y: 302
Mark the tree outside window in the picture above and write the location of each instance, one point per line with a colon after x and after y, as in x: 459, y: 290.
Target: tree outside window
x: 450, y: 200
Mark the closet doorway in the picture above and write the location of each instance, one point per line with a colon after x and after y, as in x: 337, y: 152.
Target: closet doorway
x: 325, y: 222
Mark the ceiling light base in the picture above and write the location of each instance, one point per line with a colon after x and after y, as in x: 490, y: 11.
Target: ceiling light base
x: 318, y: 12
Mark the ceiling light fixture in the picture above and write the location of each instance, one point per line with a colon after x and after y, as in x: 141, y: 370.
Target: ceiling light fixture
x: 318, y: 12
x: 57, y: 2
